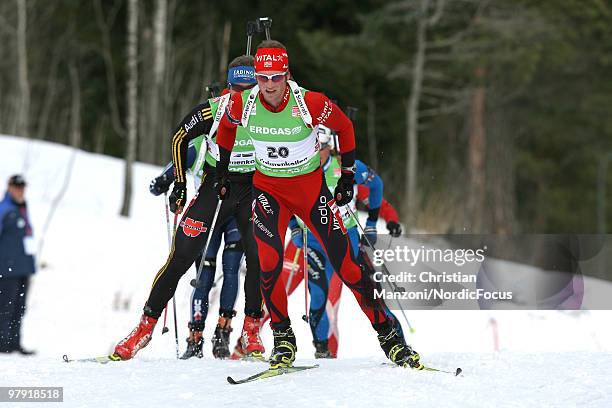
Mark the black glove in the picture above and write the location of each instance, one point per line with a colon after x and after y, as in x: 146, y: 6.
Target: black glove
x: 160, y: 185
x: 222, y: 186
x: 343, y: 193
x: 395, y: 230
x: 177, y: 198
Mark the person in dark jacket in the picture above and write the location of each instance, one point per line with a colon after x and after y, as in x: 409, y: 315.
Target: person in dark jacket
x: 16, y: 264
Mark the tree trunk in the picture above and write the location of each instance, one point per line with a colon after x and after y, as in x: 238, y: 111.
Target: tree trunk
x: 132, y: 101
x: 75, y: 116
x: 412, y: 116
x: 501, y: 175
x: 50, y: 93
x: 372, y: 127
x: 23, y: 111
x: 159, y: 137
x: 476, y: 161
x: 207, y: 76
x: 107, y: 56
x: 146, y: 118
x: 223, y: 60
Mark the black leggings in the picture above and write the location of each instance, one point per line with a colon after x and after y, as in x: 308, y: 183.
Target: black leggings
x: 191, y: 236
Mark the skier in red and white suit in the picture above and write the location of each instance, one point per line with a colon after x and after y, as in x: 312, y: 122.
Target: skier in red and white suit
x: 281, y: 119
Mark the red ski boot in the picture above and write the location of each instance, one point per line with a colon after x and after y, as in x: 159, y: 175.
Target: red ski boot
x: 238, y: 353
x: 252, y: 347
x: 137, y: 339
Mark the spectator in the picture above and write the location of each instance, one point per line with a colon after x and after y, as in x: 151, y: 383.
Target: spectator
x: 16, y: 264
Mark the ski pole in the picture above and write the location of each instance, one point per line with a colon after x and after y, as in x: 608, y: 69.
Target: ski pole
x: 266, y: 22
x: 165, y: 327
x: 290, y: 280
x: 174, y: 303
x: 196, y: 282
x: 384, y: 268
x: 305, y: 239
x: 251, y: 30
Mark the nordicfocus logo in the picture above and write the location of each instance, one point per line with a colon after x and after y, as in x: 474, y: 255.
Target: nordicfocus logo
x: 265, y: 204
x: 262, y: 130
x: 243, y: 142
x: 191, y: 124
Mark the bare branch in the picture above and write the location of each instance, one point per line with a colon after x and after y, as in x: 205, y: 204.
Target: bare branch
x: 437, y: 15
x: 442, y: 93
x: 110, y: 71
x: 443, y: 110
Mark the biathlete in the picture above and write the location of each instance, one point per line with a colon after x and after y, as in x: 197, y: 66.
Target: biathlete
x: 281, y: 119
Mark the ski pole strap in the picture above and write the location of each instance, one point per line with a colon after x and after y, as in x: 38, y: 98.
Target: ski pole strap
x: 301, y: 103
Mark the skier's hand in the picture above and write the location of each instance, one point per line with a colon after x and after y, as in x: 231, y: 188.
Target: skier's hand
x: 222, y: 187
x: 160, y: 185
x: 343, y: 192
x: 178, y: 197
x: 297, y: 237
x: 395, y: 229
x: 370, y: 231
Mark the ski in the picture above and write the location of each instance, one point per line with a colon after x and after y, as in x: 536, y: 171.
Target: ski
x: 255, y: 359
x: 457, y: 371
x: 270, y: 372
x: 100, y: 359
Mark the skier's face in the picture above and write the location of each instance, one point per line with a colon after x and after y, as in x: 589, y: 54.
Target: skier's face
x: 239, y: 87
x: 272, y: 85
x: 17, y: 193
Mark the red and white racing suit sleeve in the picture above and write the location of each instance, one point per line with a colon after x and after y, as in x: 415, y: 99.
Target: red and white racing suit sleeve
x: 387, y: 211
x: 325, y: 112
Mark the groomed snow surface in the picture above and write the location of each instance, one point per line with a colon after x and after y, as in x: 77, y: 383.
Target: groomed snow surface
x: 99, y: 268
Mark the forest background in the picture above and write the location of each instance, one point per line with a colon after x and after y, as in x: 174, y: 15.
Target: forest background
x: 481, y: 116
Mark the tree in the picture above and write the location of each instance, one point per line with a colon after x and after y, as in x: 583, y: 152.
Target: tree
x: 23, y: 110
x: 132, y: 102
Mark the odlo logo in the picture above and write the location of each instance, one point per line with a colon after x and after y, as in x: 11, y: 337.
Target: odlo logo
x: 323, y: 210
x: 263, y: 200
x: 193, y: 228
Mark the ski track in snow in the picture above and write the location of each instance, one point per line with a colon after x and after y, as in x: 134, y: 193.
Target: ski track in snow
x: 496, y: 380
x: 100, y: 267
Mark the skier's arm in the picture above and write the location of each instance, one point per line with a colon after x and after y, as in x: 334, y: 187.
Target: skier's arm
x: 196, y: 123
x: 368, y: 177
x: 161, y: 183
x: 325, y: 112
x: 387, y: 211
x: 226, y: 133
x: 365, y: 176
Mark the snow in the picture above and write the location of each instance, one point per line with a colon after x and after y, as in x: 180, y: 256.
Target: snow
x: 99, y: 267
